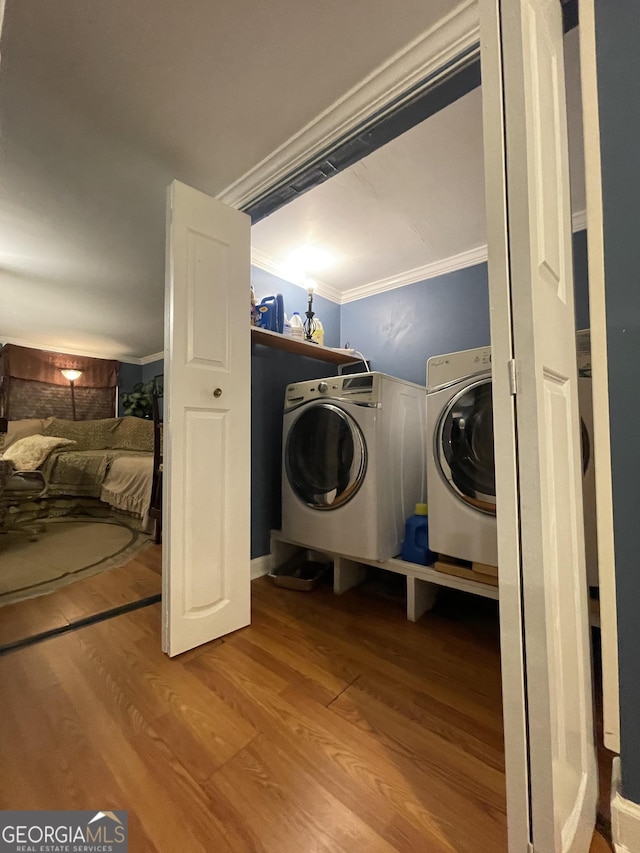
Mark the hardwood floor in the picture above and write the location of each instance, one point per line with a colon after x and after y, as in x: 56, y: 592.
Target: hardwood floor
x: 330, y: 724
x: 137, y: 579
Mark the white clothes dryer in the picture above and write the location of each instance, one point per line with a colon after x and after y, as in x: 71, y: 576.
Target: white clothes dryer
x: 460, y: 457
x: 460, y: 460
x: 353, y: 463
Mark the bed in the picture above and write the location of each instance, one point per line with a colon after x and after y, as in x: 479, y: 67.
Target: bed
x: 110, y: 459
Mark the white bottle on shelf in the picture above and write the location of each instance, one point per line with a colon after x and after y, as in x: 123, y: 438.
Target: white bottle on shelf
x: 317, y: 331
x: 297, y: 330
x: 286, y: 329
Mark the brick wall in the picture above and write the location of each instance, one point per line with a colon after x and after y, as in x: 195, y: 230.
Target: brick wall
x: 40, y: 400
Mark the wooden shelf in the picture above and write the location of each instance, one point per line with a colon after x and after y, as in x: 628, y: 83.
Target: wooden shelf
x: 278, y: 341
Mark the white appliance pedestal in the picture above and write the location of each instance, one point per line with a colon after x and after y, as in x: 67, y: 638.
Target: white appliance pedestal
x: 422, y: 581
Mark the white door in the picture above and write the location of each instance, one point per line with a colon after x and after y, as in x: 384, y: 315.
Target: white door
x: 549, y: 741
x: 206, y: 499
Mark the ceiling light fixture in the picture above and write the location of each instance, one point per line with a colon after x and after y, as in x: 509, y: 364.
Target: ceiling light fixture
x: 310, y: 259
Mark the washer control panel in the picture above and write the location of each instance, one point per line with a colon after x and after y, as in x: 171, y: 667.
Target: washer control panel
x: 361, y: 387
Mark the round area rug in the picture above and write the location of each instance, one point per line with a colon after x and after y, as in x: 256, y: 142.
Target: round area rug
x: 69, y: 550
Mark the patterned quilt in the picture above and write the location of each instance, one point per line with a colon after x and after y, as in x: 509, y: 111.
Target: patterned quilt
x: 81, y: 472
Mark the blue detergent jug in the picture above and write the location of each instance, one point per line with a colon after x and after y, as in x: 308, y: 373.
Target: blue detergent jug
x: 415, y: 548
x: 271, y: 313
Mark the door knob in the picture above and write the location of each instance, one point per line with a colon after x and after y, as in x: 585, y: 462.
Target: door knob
x: 217, y: 392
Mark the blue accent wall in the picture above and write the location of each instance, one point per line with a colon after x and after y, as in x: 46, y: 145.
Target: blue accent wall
x: 131, y: 374
x: 617, y: 28
x: 400, y: 329
x: 581, y: 279
x: 153, y: 369
x: 149, y: 372
x: 295, y: 299
x: 128, y: 376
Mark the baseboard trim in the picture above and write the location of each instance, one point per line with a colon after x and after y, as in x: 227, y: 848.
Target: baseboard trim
x: 260, y: 566
x: 625, y: 816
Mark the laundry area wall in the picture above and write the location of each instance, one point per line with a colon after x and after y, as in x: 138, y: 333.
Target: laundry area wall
x: 397, y: 330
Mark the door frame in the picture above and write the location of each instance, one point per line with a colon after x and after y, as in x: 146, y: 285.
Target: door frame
x: 416, y: 66
x: 600, y: 376
x: 437, y: 49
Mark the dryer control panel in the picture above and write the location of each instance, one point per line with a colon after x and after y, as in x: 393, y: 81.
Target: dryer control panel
x: 454, y: 366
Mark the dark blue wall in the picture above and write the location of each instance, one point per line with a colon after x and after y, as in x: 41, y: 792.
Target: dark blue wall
x: 400, y: 329
x: 617, y: 28
x: 153, y: 369
x: 581, y: 279
x: 129, y: 375
x: 295, y: 299
x: 149, y: 372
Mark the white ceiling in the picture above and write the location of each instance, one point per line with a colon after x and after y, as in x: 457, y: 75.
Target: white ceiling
x: 102, y: 104
x: 405, y: 210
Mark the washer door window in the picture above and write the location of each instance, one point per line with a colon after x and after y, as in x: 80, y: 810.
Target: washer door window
x: 465, y: 451
x: 325, y: 456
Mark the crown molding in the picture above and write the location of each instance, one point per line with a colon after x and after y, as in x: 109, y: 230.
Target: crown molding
x: 155, y: 356
x: 456, y: 262
x: 389, y: 83
x: 266, y: 262
x: 447, y: 265
x: 127, y: 359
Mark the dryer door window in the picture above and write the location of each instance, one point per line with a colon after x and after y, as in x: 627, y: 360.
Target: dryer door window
x: 325, y: 456
x: 465, y: 449
x: 585, y: 446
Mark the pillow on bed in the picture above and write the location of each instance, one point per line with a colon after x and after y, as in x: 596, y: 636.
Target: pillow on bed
x: 29, y: 453
x: 134, y: 434
x: 22, y: 428
x: 88, y: 435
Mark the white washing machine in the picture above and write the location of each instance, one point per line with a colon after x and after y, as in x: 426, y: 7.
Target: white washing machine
x: 460, y: 460
x: 585, y: 401
x: 353, y: 463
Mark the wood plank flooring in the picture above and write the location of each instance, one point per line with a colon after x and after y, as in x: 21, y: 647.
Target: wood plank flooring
x: 330, y: 724
x: 137, y: 579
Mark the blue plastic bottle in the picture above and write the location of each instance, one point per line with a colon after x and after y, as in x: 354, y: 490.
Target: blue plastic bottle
x: 415, y: 548
x: 271, y: 313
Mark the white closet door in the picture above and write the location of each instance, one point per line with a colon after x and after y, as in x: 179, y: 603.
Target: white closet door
x: 207, y: 411
x: 550, y: 755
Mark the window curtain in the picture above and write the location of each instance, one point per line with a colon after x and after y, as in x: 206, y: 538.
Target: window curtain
x: 32, y: 386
